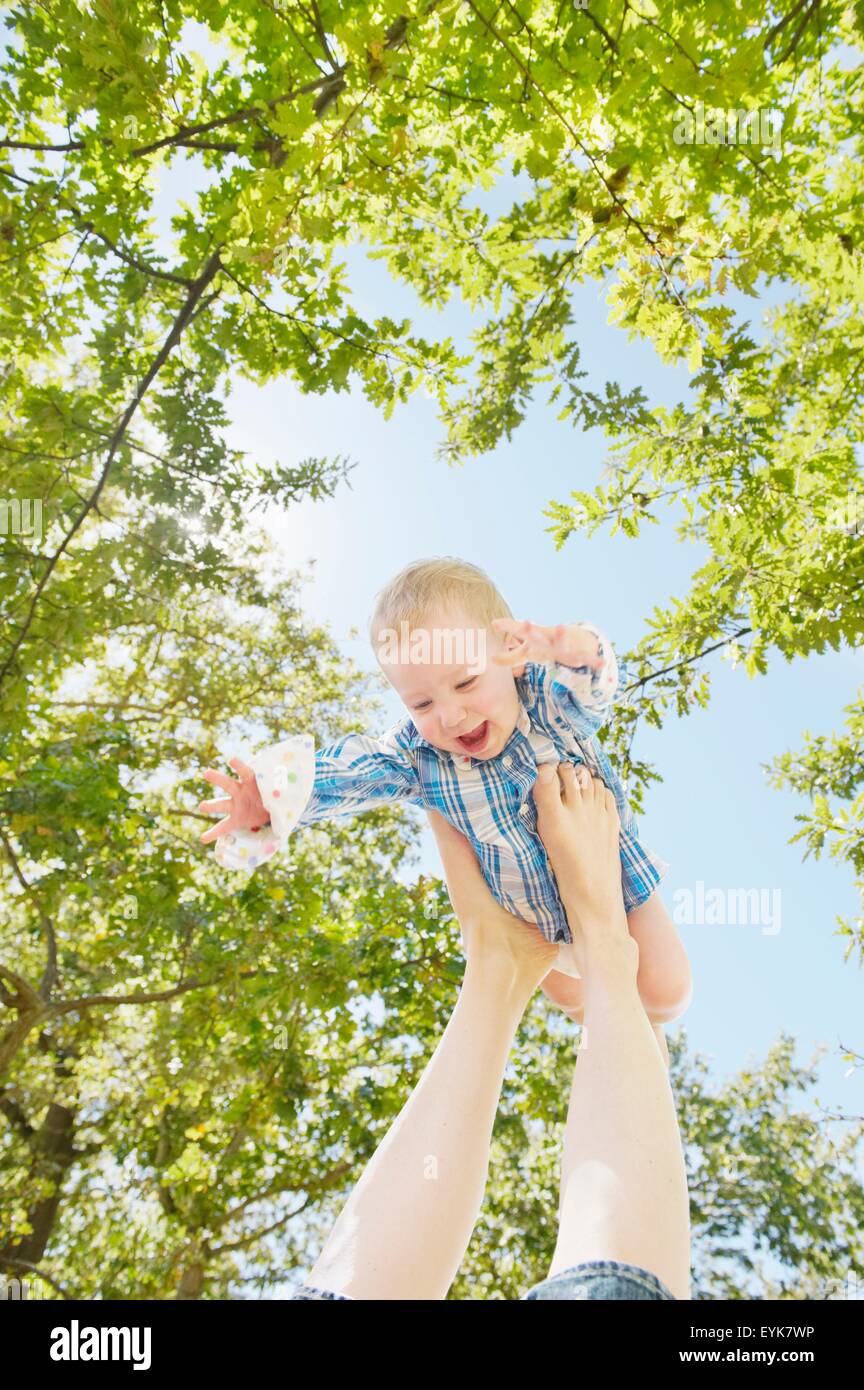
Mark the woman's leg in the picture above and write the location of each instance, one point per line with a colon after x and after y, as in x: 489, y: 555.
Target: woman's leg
x: 404, y: 1230
x: 623, y: 1180
x: 569, y: 995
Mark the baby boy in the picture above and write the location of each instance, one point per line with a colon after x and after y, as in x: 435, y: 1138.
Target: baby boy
x: 475, y: 734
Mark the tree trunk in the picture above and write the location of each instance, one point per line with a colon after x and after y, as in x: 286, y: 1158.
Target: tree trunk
x: 53, y: 1154
x: 191, y: 1281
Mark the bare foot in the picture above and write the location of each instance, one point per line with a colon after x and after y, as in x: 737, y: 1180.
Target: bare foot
x: 577, y: 820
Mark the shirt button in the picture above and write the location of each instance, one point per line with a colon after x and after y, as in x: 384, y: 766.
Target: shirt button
x: 508, y: 762
x: 524, y: 810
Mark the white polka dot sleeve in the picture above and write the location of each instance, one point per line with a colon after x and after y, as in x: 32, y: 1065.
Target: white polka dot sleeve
x: 285, y: 773
x: 590, y: 692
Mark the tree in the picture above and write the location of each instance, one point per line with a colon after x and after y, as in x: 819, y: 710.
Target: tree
x: 187, y: 1069
x: 304, y: 126
x: 834, y: 766
x: 687, y: 152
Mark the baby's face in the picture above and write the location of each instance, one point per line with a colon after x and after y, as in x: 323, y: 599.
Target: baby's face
x: 458, y: 698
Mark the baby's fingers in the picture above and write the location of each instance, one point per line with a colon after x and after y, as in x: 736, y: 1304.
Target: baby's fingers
x: 510, y: 627
x: 510, y: 658
x: 516, y: 634
x: 216, y: 830
x: 219, y: 779
x: 222, y: 807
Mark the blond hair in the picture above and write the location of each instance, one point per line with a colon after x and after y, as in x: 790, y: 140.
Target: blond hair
x: 429, y: 586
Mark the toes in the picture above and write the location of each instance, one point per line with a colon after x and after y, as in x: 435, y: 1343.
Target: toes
x: 547, y: 788
x: 569, y: 783
x: 594, y: 789
x: 607, y: 800
x: 598, y: 789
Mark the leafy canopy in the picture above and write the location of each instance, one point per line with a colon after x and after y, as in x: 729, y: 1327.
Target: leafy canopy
x: 135, y: 622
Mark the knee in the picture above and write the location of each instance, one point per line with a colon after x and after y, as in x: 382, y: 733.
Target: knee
x: 567, y: 992
x: 668, y: 994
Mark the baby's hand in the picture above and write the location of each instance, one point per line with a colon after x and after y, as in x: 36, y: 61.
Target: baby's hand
x: 243, y: 810
x: 568, y: 644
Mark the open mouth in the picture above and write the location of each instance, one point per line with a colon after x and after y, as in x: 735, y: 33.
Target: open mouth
x: 476, y: 740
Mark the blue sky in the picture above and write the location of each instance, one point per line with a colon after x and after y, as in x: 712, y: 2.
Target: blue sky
x: 714, y: 818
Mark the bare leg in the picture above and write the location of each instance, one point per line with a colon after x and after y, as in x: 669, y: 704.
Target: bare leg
x: 406, y: 1226
x: 569, y: 995
x: 664, y: 981
x: 404, y: 1230
x: 623, y: 1181
x: 660, y: 1035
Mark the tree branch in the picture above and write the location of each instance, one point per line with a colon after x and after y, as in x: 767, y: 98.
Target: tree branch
x: 13, y: 1112
x: 782, y: 23
x: 26, y: 996
x: 181, y: 136
x: 196, y: 290
x: 89, y: 1001
x: 799, y: 33
x: 51, y: 976
x: 652, y: 675
x: 41, y: 1274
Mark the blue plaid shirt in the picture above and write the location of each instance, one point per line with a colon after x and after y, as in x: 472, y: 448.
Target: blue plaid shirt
x: 489, y: 800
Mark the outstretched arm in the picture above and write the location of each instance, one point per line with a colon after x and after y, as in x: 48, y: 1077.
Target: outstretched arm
x: 289, y: 784
x: 406, y: 1226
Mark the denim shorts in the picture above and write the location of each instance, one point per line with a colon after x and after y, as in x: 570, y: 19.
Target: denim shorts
x: 592, y: 1279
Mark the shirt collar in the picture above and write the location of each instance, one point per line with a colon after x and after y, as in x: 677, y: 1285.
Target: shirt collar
x: 464, y: 761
